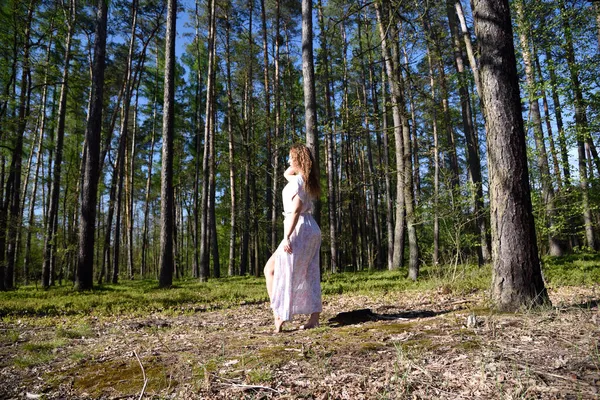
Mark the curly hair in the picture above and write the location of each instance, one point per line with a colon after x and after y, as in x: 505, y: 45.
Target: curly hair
x: 304, y: 158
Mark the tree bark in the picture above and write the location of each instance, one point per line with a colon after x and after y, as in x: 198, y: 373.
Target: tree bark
x: 85, y: 263
x: 310, y: 104
x: 517, y: 279
x: 168, y: 132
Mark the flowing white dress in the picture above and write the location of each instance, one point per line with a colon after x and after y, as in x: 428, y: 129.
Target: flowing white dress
x: 296, y: 281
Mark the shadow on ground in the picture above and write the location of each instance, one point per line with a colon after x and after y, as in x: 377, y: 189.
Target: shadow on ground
x: 366, y: 315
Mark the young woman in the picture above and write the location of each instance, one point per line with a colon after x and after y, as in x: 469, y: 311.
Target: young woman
x: 292, y: 272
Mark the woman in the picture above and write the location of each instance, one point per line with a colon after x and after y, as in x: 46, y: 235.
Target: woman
x: 292, y: 272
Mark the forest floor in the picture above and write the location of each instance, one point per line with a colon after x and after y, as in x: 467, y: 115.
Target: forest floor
x: 432, y: 344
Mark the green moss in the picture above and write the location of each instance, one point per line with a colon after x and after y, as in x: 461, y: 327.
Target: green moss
x: 125, y: 377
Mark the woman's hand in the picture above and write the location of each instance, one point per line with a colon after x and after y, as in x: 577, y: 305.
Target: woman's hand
x: 287, y: 246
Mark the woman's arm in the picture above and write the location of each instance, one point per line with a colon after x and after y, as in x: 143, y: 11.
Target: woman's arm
x: 289, y: 173
x: 296, y: 208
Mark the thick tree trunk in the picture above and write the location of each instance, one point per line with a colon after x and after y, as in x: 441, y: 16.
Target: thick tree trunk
x: 85, y: 262
x: 166, y: 193
x: 517, y: 279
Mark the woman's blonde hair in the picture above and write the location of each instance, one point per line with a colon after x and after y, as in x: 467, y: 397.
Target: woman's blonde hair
x: 304, y: 159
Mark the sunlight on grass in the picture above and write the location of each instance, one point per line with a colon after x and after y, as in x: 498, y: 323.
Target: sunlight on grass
x: 189, y: 295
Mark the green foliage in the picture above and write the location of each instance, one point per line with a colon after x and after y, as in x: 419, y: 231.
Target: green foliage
x: 130, y: 297
x: 578, y: 269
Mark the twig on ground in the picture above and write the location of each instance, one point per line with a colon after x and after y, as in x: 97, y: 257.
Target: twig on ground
x: 241, y: 386
x: 144, y: 375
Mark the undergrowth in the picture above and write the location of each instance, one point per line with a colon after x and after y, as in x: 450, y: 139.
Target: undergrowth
x: 190, y: 295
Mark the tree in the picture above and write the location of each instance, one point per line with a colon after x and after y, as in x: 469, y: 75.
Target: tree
x: 85, y: 262
x: 168, y: 132
x: 517, y: 279
x: 310, y: 104
x: 50, y: 240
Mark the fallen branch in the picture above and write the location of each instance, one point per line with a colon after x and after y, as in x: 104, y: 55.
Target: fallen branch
x: 241, y: 386
x: 144, y: 375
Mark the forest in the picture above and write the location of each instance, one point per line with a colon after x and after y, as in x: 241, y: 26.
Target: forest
x: 397, y: 122
x: 142, y: 151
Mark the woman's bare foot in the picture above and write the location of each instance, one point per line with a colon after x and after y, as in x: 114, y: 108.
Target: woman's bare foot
x: 278, y: 325
x: 313, y: 322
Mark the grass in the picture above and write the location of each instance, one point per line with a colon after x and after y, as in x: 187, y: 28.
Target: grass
x: 189, y: 295
x: 38, y: 353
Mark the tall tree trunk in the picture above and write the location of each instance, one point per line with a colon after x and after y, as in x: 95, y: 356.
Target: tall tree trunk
x: 50, y: 241
x: 392, y: 78
x: 310, y: 104
x: 214, y: 243
x: 248, y: 133
x: 555, y: 163
x: 473, y: 161
x: 85, y: 262
x: 205, y: 226
x: 39, y: 160
x: 196, y: 191
x: 277, y: 136
x: 166, y: 192
x: 268, y: 177
x: 331, y: 168
x: 436, y: 150
x: 517, y: 279
x: 562, y: 141
x: 372, y: 195
x: 555, y: 245
x: 386, y: 167
x: 581, y: 126
x: 232, y: 185
x: 13, y: 188
x: 468, y: 44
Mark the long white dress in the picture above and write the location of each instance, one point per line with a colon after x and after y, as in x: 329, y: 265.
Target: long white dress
x: 296, y: 281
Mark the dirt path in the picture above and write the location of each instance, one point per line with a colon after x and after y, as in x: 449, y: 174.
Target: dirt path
x: 411, y: 345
